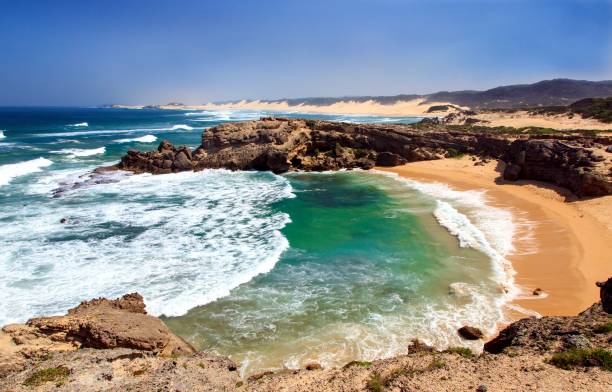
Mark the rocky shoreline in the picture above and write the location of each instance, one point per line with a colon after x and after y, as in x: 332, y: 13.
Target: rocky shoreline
x: 577, y: 161
x: 111, y: 345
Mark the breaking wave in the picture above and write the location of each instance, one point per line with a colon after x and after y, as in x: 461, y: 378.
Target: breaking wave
x: 79, y: 125
x: 78, y: 153
x: 181, y: 126
x: 142, y: 139
x: 12, y: 170
x: 182, y: 240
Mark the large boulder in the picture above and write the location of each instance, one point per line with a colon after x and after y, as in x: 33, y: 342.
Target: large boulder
x: 470, y: 333
x: 605, y: 292
x: 100, y: 324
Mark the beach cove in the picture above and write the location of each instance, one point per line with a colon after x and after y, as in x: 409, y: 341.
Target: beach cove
x: 562, y: 252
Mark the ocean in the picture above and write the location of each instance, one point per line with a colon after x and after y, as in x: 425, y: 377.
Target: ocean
x: 274, y: 271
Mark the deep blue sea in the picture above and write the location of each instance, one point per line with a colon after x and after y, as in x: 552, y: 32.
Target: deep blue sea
x: 271, y: 270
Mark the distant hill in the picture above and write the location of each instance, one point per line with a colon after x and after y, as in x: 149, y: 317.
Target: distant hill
x: 545, y: 93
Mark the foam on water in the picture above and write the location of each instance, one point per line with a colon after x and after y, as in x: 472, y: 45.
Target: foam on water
x: 480, y: 226
x: 142, y: 139
x: 76, y: 153
x: 2, y: 136
x: 10, y: 171
x: 182, y: 240
x: 181, y: 126
x: 79, y: 125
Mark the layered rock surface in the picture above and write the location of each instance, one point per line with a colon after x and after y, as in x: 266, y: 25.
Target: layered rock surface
x: 99, y: 323
x: 578, y: 162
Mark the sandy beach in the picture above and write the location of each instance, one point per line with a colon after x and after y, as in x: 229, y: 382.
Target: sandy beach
x: 567, y: 248
x: 416, y: 107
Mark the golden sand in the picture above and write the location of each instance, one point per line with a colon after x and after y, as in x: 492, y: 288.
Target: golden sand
x: 569, y: 245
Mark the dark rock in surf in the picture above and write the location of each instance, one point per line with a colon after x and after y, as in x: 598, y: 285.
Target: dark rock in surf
x: 470, y: 333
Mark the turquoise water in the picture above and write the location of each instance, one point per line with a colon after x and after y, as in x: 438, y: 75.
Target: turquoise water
x: 272, y: 270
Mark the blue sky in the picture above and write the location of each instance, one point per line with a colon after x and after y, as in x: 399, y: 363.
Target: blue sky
x: 95, y: 52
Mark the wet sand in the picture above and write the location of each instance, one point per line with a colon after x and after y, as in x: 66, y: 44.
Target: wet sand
x: 564, y: 250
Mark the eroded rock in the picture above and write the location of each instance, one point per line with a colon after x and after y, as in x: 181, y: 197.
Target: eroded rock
x: 280, y: 145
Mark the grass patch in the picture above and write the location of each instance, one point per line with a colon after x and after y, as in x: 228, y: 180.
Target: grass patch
x: 436, y: 363
x: 603, y: 328
x: 463, y: 351
x: 364, y: 364
x: 56, y: 374
x: 570, y: 359
x: 375, y: 383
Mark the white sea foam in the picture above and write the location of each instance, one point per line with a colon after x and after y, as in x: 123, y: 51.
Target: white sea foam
x: 469, y: 216
x: 181, y: 240
x: 101, y: 132
x: 78, y: 153
x: 2, y: 136
x: 181, y: 126
x: 142, y: 139
x: 79, y: 125
x: 10, y: 171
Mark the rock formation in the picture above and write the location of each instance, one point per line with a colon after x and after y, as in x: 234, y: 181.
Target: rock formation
x: 605, y: 292
x: 100, y: 324
x: 580, y: 163
x: 113, y: 345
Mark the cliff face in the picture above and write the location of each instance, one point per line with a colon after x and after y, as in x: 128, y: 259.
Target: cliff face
x: 580, y: 163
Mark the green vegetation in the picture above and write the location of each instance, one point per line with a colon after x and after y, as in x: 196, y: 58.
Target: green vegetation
x: 603, y: 328
x: 436, y: 363
x: 597, y: 108
x: 375, y: 383
x: 438, y: 108
x: 56, y: 374
x: 364, y: 364
x: 239, y: 384
x: 598, y: 357
x: 463, y: 351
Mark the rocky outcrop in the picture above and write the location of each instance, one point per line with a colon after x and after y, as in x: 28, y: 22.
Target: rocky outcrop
x: 579, y: 163
x: 584, y: 171
x: 605, y: 292
x: 282, y: 145
x: 557, y: 333
x: 100, y: 324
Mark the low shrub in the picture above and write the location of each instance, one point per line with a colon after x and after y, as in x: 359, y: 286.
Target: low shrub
x: 597, y: 357
x: 55, y: 374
